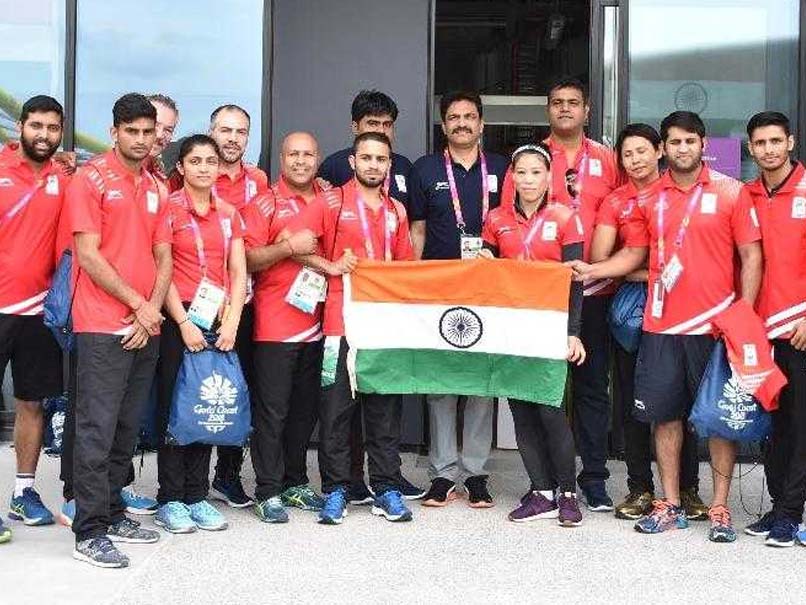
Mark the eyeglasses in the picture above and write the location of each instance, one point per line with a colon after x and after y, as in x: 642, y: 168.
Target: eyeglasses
x: 572, y: 182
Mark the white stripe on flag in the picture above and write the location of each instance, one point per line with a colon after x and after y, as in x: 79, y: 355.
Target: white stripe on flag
x: 504, y: 331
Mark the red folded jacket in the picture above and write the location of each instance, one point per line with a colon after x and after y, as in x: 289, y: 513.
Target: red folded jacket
x: 750, y: 353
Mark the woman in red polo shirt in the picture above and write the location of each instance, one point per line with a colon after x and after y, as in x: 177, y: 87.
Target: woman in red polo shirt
x: 534, y: 228
x: 208, y: 262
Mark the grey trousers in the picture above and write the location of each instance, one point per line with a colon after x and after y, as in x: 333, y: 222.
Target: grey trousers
x: 477, y: 436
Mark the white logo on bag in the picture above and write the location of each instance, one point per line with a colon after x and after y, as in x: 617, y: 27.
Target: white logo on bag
x: 737, y: 404
x: 220, y: 395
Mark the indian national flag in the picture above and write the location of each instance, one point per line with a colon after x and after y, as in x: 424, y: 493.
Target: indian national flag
x: 485, y: 327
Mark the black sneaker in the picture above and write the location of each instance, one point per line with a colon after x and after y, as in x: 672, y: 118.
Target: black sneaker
x: 130, y: 532
x: 409, y: 491
x: 231, y: 492
x: 762, y: 526
x: 359, y: 494
x: 441, y: 493
x: 100, y: 552
x: 782, y: 533
x: 478, y: 496
x: 596, y: 497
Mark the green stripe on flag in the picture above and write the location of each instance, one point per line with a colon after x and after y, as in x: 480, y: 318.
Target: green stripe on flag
x: 433, y: 372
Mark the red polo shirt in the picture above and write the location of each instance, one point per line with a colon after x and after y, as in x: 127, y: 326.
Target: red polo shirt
x: 720, y: 221
x: 547, y: 230
x: 28, y: 230
x: 782, y: 216
x: 222, y: 220
x: 618, y: 207
x: 250, y: 182
x: 334, y: 218
x: 276, y: 320
x: 131, y: 216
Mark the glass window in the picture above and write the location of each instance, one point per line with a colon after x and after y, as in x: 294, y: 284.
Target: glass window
x: 724, y: 59
x: 201, y: 53
x: 31, y: 56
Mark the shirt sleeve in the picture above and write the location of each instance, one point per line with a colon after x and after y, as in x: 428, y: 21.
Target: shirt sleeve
x: 257, y: 217
x: 238, y: 226
x: 744, y: 220
x: 636, y: 228
x: 402, y: 249
x: 83, y: 203
x: 163, y: 230
x: 418, y: 196
x: 488, y: 231
x: 608, y: 212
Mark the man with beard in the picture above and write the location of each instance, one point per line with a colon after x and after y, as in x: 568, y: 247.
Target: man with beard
x: 450, y: 195
x: 32, y: 190
x: 288, y: 334
x: 693, y: 227
x: 122, y: 243
x: 238, y: 184
x: 167, y: 120
x: 358, y: 220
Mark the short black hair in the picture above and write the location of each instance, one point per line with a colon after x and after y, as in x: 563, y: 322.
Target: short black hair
x: 195, y: 140
x: 570, y: 82
x: 459, y: 95
x: 229, y: 107
x: 131, y: 107
x: 163, y: 100
x: 685, y: 120
x: 372, y: 103
x: 41, y: 104
x: 371, y: 136
x: 638, y: 129
x: 768, y: 118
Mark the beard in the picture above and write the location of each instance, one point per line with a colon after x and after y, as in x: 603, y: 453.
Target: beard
x: 29, y: 149
x: 685, y: 168
x: 369, y: 182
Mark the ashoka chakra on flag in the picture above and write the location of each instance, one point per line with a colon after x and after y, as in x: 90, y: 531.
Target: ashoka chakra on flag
x: 495, y: 328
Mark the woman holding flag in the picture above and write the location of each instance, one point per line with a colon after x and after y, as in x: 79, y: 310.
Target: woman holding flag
x: 534, y: 228
x: 206, y: 295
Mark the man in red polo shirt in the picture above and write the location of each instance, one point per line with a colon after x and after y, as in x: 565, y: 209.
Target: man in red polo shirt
x: 358, y: 220
x: 584, y: 173
x: 122, y: 244
x: 693, y: 228
x: 288, y: 333
x: 779, y: 199
x: 32, y: 190
x: 238, y: 184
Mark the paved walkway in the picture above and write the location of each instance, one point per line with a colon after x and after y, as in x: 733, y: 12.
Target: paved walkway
x: 455, y: 554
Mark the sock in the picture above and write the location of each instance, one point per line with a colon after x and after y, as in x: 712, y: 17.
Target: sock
x: 22, y: 481
x: 547, y: 494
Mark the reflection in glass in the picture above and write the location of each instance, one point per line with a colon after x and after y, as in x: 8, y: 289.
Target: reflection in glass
x: 724, y: 59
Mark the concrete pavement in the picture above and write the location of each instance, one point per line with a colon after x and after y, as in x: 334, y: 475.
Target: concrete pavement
x: 452, y: 554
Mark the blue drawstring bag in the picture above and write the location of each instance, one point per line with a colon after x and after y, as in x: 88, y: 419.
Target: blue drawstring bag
x: 55, y: 409
x: 723, y: 408
x: 58, y: 303
x: 626, y: 315
x: 211, y: 401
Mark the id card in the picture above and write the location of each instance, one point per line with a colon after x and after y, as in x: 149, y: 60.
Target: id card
x: 307, y: 290
x: 206, y: 304
x: 657, y: 299
x: 470, y: 246
x: 799, y: 207
x: 152, y: 202
x: 672, y: 273
x: 52, y: 185
x: 330, y: 359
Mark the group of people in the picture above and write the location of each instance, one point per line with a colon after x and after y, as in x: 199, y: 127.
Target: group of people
x: 209, y: 254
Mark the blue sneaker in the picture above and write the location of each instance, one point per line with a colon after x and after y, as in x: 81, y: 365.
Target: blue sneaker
x: 596, y: 497
x: 390, y: 504
x: 782, y: 533
x: 68, y: 513
x: 801, y: 537
x: 721, y: 525
x: 207, y: 517
x: 762, y: 526
x: 231, y: 492
x: 335, y: 508
x: 271, y: 510
x: 664, y: 517
x: 138, y: 505
x: 175, y: 518
x: 29, y: 509
x: 5, y: 533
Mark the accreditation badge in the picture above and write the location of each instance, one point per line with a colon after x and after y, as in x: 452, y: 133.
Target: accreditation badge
x: 708, y: 203
x: 152, y: 202
x: 52, y: 185
x: 307, y: 291
x: 595, y: 167
x: 671, y: 273
x: 207, y: 302
x: 549, y: 231
x: 657, y: 299
x: 400, y: 180
x: 799, y: 207
x: 470, y: 246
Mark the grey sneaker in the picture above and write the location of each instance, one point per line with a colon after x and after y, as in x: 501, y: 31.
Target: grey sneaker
x: 100, y: 552
x: 130, y: 532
